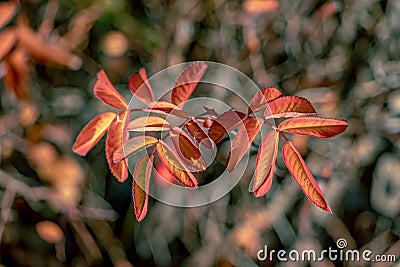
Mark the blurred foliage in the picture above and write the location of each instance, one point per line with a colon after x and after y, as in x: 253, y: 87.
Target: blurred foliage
x: 59, y: 209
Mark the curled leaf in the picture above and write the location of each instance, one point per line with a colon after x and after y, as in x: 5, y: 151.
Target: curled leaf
x: 261, y: 98
x: 245, y: 136
x: 175, y: 165
x: 265, y: 163
x: 197, y: 132
x: 187, y: 149
x: 314, y: 126
x: 302, y: 175
x: 149, y: 123
x: 227, y: 122
x: 288, y: 106
x: 92, y: 133
x: 106, y: 92
x: 115, y: 138
x: 166, y: 108
x: 140, y: 87
x: 187, y: 82
x: 133, y: 146
x: 140, y: 185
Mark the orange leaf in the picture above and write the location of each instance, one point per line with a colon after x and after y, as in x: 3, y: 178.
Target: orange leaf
x: 225, y: 123
x: 302, y: 175
x: 197, y: 132
x: 187, y: 82
x: 106, y: 92
x: 167, y: 108
x: 133, y: 146
x: 260, y: 6
x: 44, y: 51
x: 245, y: 136
x: 115, y: 138
x: 8, y: 38
x: 149, y: 123
x: 265, y: 163
x: 261, y: 98
x: 17, y: 78
x: 314, y: 126
x: 140, y: 87
x: 187, y: 149
x: 92, y: 133
x: 140, y: 186
x: 7, y: 11
x: 288, y: 106
x: 175, y: 165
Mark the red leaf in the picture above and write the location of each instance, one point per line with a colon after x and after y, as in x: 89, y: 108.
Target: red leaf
x: 265, y: 163
x: 302, y: 175
x: 175, y: 165
x: 288, y: 106
x: 140, y: 186
x: 225, y: 123
x: 245, y: 136
x: 187, y: 149
x: 140, y: 87
x: 166, y: 108
x: 106, y: 92
x: 115, y: 138
x: 261, y: 98
x: 8, y: 38
x: 92, y: 133
x: 149, y: 123
x: 7, y: 11
x: 197, y: 132
x: 314, y: 126
x: 133, y: 146
x: 187, y: 82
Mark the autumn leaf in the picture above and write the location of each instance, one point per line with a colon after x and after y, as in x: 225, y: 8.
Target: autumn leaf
x: 166, y: 108
x: 187, y: 82
x: 288, y: 106
x: 265, y: 163
x: 106, y: 92
x: 8, y: 38
x: 255, y: 7
x: 227, y: 122
x: 185, y: 146
x: 92, y: 133
x: 175, y: 165
x: 17, y: 78
x: 7, y: 11
x: 197, y: 132
x: 133, y: 146
x: 140, y: 185
x: 302, y: 175
x: 261, y: 98
x: 314, y: 126
x: 43, y: 51
x: 245, y: 136
x: 149, y: 123
x: 115, y: 138
x: 140, y: 87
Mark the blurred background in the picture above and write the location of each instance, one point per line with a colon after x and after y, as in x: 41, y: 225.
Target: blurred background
x: 59, y: 209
